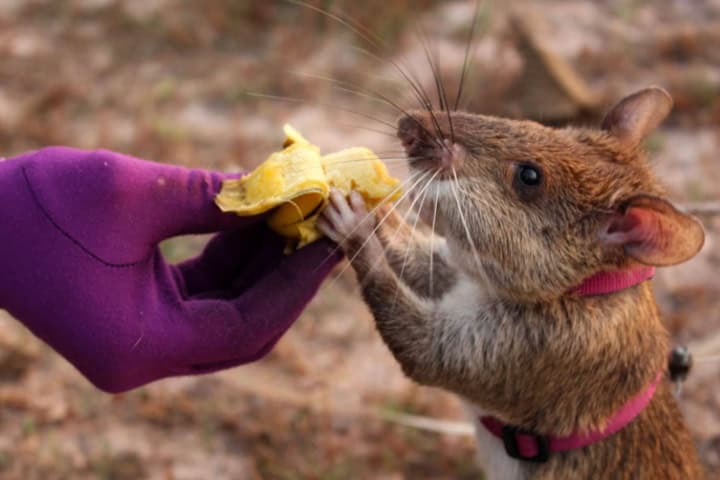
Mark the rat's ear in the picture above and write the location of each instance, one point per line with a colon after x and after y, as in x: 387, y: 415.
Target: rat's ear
x: 653, y: 232
x: 637, y: 115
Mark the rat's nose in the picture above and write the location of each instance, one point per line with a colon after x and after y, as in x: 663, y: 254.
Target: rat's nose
x: 411, y: 132
x: 424, y: 147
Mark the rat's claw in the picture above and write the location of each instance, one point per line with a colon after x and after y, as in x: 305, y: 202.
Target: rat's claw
x: 331, y: 214
x: 336, y: 197
x: 326, y: 228
x: 338, y: 200
x: 358, y: 203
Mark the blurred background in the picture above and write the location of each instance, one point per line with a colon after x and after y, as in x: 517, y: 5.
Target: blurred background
x: 187, y: 82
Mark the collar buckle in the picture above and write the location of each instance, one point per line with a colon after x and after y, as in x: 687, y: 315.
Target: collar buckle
x: 512, y: 438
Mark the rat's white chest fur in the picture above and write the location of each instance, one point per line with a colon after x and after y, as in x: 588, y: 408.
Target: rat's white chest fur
x: 463, y: 305
x: 460, y: 309
x: 491, y: 454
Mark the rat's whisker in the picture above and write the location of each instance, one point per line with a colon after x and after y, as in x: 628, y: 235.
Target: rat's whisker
x: 380, y: 45
x: 281, y: 98
x: 416, y: 87
x: 352, y: 25
x: 387, y: 133
x: 358, y: 90
x: 470, y: 194
x: 455, y: 186
x: 425, y: 103
x: 367, y: 94
x: 422, y: 196
x: 468, y: 191
x: 439, y: 84
x: 388, y: 158
x: 371, y: 39
x: 429, y: 108
x: 385, y: 217
x: 462, y: 218
x: 432, y: 240
x: 392, y: 161
x: 403, y: 224
x: 433, y: 68
x: 403, y: 111
x: 391, y: 240
x: 469, y: 49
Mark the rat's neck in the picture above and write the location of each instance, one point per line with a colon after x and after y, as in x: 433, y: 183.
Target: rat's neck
x: 567, y: 365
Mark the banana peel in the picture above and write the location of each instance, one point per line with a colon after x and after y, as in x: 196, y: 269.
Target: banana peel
x: 295, y: 184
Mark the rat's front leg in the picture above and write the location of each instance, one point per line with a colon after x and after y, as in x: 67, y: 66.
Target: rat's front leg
x: 404, y: 320
x: 421, y: 260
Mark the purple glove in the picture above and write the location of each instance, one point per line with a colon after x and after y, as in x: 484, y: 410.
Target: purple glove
x: 81, y: 268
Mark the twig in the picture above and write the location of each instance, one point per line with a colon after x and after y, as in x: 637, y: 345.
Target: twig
x: 445, y: 427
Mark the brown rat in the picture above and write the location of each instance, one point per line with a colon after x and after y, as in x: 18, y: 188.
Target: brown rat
x: 487, y: 311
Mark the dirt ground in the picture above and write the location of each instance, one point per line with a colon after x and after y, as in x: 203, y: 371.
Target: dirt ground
x: 188, y: 83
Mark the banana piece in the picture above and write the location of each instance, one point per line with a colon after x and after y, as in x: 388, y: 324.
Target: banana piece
x: 296, y: 183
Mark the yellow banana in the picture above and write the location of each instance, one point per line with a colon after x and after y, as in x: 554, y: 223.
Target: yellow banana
x: 296, y: 183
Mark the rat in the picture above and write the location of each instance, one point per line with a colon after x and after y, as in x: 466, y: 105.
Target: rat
x: 490, y: 305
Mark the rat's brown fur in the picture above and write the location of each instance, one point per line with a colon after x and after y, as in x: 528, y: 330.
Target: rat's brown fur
x: 498, y: 326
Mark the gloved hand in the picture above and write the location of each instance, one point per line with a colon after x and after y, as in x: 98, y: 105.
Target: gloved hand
x: 80, y: 267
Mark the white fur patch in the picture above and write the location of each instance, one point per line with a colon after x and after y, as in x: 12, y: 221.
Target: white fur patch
x: 491, y: 454
x: 462, y: 306
x: 463, y: 301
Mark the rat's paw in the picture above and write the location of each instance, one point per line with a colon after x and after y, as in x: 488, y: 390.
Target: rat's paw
x: 346, y: 222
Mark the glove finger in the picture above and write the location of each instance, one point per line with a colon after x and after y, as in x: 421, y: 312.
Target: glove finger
x: 232, y: 258
x: 282, y: 293
x: 226, y: 333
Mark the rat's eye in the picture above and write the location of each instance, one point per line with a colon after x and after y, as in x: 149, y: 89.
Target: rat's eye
x: 528, y: 181
x: 529, y: 175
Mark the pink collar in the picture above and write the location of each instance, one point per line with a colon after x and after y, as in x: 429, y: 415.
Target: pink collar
x: 528, y: 446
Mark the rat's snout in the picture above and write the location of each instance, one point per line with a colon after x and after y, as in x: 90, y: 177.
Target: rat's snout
x: 408, y: 130
x: 426, y: 145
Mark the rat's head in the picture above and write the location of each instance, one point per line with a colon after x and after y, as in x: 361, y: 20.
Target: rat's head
x: 534, y: 210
